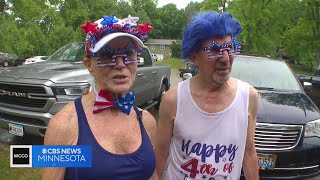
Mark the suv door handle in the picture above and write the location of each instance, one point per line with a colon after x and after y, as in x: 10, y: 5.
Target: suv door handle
x: 140, y: 74
x: 153, y: 72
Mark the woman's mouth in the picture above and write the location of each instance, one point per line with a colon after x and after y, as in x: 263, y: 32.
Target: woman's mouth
x: 120, y: 78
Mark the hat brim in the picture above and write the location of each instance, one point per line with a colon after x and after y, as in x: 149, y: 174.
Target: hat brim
x: 102, y: 42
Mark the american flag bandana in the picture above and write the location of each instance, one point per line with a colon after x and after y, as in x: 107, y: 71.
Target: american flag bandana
x: 105, y: 101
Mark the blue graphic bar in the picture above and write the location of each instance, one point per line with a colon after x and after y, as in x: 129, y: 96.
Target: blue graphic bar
x: 61, y: 156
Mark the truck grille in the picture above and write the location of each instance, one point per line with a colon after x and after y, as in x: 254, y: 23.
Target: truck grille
x: 277, y: 137
x: 22, y: 101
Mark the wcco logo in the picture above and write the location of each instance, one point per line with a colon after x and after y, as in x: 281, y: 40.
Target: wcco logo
x: 20, y: 156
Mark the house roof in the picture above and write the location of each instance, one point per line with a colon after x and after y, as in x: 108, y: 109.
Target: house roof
x: 160, y: 41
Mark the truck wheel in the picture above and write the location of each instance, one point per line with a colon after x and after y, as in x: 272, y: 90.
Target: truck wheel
x: 163, y: 89
x: 5, y: 64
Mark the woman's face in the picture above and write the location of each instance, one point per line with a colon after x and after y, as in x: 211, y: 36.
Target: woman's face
x: 119, y: 78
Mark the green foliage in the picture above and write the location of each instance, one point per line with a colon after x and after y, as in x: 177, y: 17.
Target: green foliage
x: 300, y: 69
x: 287, y: 28
x: 173, y: 22
x: 176, y: 49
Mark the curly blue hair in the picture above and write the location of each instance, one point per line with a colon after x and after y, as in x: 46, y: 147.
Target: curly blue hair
x: 206, y: 25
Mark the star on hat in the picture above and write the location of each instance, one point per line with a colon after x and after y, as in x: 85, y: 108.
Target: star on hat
x: 89, y: 27
x: 131, y: 20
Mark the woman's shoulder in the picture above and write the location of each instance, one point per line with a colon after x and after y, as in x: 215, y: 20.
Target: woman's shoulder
x: 150, y: 124
x: 63, y: 126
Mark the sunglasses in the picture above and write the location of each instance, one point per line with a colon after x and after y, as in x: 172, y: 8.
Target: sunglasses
x: 108, y: 56
x: 215, y: 50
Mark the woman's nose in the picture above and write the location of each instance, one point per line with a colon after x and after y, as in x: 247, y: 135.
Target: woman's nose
x: 120, y: 62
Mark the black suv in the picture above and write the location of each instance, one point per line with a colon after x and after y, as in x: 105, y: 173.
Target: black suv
x: 7, y: 59
x: 287, y: 136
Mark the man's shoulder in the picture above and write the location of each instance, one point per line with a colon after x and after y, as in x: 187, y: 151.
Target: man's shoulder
x: 171, y: 95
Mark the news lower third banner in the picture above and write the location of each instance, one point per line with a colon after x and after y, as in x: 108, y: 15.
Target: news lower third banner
x: 38, y: 156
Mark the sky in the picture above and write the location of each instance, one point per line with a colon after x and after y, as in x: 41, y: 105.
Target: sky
x: 181, y: 4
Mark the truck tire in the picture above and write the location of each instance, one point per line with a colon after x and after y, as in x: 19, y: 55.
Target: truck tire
x: 163, y: 89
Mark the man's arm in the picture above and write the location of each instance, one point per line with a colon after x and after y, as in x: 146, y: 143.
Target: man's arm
x: 250, y: 161
x: 61, y: 131
x: 167, y: 113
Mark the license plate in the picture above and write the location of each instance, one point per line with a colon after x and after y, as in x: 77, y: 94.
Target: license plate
x: 267, y: 161
x: 16, y: 129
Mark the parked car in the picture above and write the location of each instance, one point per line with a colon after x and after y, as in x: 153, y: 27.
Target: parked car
x: 314, y: 94
x: 154, y: 57
x: 35, y: 59
x: 7, y: 59
x: 288, y: 122
x: 189, y: 68
x: 30, y: 95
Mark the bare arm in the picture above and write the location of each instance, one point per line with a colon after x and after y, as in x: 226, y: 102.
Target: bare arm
x: 150, y: 125
x: 165, y: 128
x: 250, y: 161
x: 61, y: 131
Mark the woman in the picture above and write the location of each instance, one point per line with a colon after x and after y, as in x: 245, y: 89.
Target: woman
x: 121, y: 135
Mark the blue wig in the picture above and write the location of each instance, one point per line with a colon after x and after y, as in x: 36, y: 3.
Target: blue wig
x: 207, y: 25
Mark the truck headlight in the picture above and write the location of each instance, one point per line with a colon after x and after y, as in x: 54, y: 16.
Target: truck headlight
x: 313, y: 129
x: 72, y: 91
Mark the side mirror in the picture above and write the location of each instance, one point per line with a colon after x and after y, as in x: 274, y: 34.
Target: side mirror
x: 304, y: 78
x: 141, y: 63
x: 307, y: 86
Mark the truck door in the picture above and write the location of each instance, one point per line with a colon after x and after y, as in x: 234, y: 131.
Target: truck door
x: 144, y: 83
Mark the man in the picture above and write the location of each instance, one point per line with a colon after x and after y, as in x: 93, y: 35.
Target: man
x: 208, y: 122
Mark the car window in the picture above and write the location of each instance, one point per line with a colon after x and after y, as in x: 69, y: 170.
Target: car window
x: 71, y: 52
x: 147, y: 58
x: 260, y: 72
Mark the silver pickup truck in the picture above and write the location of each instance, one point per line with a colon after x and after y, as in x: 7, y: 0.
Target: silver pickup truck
x: 31, y: 94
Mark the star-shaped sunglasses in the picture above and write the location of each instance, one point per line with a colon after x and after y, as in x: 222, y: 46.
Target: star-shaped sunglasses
x: 215, y: 50
x: 108, y: 56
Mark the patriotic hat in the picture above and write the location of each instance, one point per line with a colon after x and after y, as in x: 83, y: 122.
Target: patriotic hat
x: 108, y: 28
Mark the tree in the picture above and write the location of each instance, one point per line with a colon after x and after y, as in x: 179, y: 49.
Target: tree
x: 191, y: 9
x: 217, y: 5
x: 173, y: 22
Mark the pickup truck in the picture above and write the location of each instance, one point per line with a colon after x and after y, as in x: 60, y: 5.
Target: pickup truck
x: 32, y: 93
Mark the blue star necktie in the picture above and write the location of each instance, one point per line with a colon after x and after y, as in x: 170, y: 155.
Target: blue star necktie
x: 105, y: 101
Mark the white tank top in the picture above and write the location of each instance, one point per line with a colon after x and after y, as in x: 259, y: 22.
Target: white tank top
x: 208, y: 146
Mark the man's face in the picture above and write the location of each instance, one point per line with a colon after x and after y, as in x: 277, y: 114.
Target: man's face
x: 215, y: 63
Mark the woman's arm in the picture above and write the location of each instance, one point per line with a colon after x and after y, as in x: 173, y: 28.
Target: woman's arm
x: 62, y: 130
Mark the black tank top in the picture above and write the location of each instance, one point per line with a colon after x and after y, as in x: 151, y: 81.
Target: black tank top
x: 138, y: 165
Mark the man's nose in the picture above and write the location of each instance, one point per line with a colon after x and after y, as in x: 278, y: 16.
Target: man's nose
x: 225, y: 55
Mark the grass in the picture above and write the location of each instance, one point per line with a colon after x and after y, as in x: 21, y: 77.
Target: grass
x: 300, y: 69
x: 7, y: 173
x: 174, y: 63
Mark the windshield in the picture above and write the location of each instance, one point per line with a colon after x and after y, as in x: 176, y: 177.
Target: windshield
x: 71, y: 52
x: 263, y: 73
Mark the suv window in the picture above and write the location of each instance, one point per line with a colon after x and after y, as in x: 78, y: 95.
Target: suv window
x: 6, y: 56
